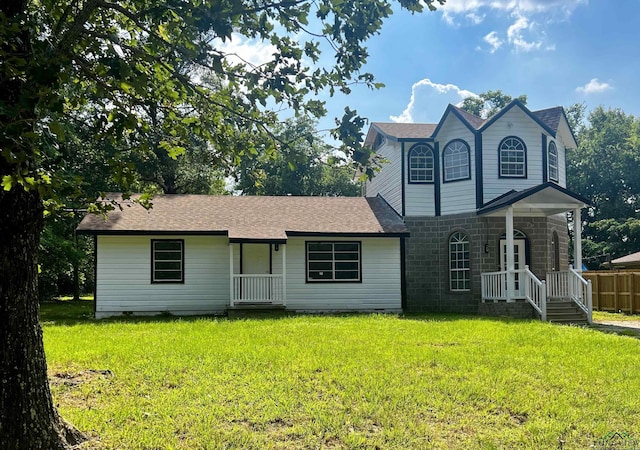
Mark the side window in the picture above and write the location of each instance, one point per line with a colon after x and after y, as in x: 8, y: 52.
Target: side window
x: 456, y: 158
x: 333, y: 262
x: 459, y: 262
x: 421, y: 164
x: 167, y: 261
x: 553, y: 162
x: 512, y: 156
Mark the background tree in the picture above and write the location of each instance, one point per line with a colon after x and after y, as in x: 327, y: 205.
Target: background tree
x: 604, y: 169
x: 121, y: 59
x: 488, y: 103
x: 303, y: 164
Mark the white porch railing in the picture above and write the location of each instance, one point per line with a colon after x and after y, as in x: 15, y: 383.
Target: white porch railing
x: 570, y: 285
x: 558, y: 284
x: 257, y: 289
x: 525, y: 285
x: 494, y: 286
x: 535, y: 292
x: 580, y: 292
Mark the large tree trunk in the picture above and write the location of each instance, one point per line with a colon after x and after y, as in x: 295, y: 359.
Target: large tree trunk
x: 28, y: 418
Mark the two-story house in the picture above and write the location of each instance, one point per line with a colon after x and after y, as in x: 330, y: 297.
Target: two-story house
x: 485, y: 202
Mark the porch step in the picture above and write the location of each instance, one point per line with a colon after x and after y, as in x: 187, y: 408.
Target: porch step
x: 255, y: 310
x: 566, y: 312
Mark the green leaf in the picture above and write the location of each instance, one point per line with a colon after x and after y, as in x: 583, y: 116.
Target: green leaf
x: 7, y: 182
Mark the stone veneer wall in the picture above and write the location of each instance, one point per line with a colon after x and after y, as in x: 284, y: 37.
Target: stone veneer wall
x: 427, y: 258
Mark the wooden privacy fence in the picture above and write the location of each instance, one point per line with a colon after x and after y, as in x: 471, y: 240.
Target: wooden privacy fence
x: 615, y: 290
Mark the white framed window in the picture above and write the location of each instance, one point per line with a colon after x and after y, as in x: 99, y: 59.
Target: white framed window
x: 513, y: 158
x: 333, y: 261
x: 553, y: 161
x: 167, y: 261
x: 459, y: 262
x: 456, y: 158
x: 421, y: 164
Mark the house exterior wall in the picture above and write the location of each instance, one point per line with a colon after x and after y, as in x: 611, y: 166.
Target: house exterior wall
x: 123, y: 265
x: 427, y: 256
x: 388, y: 182
x: 123, y: 281
x: 380, y: 288
x: 514, y: 122
x: 460, y: 195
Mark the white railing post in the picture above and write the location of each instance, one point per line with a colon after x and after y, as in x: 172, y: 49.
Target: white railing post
x: 590, y: 302
x: 543, y: 302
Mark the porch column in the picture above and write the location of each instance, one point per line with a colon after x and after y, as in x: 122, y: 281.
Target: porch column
x: 231, y: 301
x: 510, y: 256
x: 284, y: 274
x: 577, y: 239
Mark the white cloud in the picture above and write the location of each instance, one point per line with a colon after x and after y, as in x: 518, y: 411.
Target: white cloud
x: 493, y: 40
x: 594, y: 87
x: 525, y: 34
x: 516, y: 32
x: 474, y: 18
x: 429, y: 100
x: 247, y: 51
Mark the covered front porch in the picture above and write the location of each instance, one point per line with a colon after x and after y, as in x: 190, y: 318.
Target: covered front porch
x: 516, y: 281
x: 257, y: 273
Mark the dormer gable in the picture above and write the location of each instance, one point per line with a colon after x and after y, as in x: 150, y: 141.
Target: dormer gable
x: 469, y: 120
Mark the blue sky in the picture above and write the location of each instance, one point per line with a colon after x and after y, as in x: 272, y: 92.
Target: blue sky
x: 557, y: 52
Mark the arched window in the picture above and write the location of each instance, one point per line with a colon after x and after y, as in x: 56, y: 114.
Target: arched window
x: 513, y: 158
x: 553, y: 162
x: 459, y: 262
x: 421, y: 164
x: 456, y: 158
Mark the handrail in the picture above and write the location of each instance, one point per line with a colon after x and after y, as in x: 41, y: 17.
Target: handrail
x: 535, y: 292
x: 580, y: 292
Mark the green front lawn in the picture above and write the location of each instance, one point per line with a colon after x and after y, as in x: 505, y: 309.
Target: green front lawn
x: 359, y: 381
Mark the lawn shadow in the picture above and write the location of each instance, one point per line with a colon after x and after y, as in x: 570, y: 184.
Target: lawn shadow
x: 617, y: 328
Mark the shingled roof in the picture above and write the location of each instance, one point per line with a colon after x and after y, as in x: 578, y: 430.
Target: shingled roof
x: 250, y: 218
x: 406, y: 130
x: 550, y: 116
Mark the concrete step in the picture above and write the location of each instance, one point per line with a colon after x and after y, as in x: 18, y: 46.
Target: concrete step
x: 565, y: 313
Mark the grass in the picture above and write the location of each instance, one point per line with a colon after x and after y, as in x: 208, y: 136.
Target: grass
x: 617, y: 317
x: 359, y: 381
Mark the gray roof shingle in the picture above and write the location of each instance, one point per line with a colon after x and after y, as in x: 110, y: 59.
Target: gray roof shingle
x: 250, y: 218
x: 550, y: 116
x: 407, y: 130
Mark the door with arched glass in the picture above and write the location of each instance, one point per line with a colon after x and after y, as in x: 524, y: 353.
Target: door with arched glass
x: 519, y: 257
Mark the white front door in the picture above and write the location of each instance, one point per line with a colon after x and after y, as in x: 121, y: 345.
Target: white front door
x: 255, y: 259
x: 519, y: 259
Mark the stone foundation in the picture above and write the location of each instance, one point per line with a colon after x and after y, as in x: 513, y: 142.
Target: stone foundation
x: 427, y: 257
x: 518, y: 310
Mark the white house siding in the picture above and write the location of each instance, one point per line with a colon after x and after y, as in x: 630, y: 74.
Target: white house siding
x: 419, y: 198
x: 562, y: 163
x: 387, y: 182
x: 513, y: 123
x: 124, y: 277
x: 457, y: 196
x: 379, y: 290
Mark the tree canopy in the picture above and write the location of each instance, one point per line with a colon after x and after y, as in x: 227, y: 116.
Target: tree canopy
x: 604, y: 169
x: 115, y: 68
x: 302, y: 165
x: 488, y: 103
